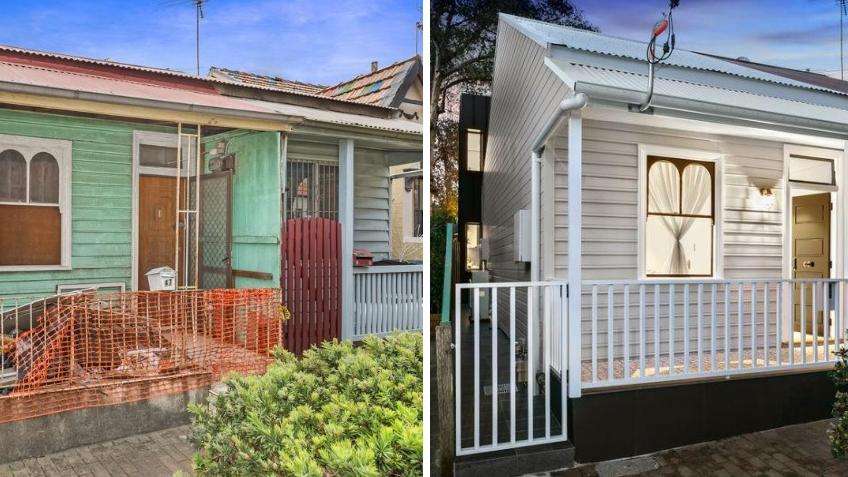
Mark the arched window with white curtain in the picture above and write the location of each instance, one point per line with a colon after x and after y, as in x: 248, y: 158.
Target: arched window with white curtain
x: 680, y: 218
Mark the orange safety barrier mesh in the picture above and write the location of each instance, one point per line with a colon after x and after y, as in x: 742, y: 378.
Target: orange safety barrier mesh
x: 90, y: 349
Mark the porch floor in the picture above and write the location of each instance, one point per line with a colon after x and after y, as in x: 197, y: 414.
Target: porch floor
x: 812, y: 353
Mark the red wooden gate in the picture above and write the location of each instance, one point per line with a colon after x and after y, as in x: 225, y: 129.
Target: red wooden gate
x: 311, y: 281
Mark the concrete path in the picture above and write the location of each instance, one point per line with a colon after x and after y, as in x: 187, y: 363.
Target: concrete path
x: 800, y: 450
x: 157, y: 454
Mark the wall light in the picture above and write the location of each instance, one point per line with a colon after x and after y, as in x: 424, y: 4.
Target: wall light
x: 767, y: 199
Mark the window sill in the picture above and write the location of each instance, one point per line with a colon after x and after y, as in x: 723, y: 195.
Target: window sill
x: 34, y: 268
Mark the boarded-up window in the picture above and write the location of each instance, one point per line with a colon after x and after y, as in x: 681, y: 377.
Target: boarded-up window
x: 32, y: 204
x: 37, y: 237
x: 13, y: 176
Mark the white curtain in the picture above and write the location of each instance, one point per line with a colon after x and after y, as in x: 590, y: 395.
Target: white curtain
x: 664, y: 197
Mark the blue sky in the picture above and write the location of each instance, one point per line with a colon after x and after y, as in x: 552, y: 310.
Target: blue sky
x: 794, y: 33
x: 321, y: 41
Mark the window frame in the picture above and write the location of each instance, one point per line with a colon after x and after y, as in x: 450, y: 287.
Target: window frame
x: 479, y: 134
x: 716, y: 160
x: 409, y: 207
x: 479, y: 244
x: 61, y: 150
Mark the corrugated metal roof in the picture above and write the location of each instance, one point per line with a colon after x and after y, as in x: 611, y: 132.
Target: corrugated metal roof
x: 375, y: 88
x: 55, y: 59
x: 548, y: 33
x: 587, y: 74
x: 75, y: 81
x: 262, y: 81
x: 343, y: 119
x: 22, y: 74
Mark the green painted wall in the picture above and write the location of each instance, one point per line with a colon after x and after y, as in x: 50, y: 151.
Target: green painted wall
x: 100, y: 203
x: 256, y: 204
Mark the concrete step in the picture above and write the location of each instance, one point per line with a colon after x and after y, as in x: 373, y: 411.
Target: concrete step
x: 514, y: 462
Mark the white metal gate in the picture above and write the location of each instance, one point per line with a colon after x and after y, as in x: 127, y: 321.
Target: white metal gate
x: 510, y: 352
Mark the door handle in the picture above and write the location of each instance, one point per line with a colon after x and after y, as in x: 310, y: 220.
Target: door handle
x: 809, y: 263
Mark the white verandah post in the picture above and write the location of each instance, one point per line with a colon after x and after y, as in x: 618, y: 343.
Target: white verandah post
x: 346, y: 217
x: 575, y: 249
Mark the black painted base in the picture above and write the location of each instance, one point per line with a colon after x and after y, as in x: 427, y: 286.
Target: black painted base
x: 625, y: 423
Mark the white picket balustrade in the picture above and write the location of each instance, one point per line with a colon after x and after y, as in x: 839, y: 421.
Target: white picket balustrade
x: 688, y: 329
x: 387, y: 298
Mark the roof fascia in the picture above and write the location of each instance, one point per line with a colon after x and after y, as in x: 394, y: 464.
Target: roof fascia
x: 390, y: 139
x: 398, y: 91
x: 709, y: 112
x: 511, y: 20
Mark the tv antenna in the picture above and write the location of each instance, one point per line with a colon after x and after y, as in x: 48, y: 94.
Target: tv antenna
x: 843, y: 11
x: 198, y: 15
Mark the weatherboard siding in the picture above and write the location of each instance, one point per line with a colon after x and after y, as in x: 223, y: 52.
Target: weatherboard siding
x: 371, y: 204
x: 101, y: 202
x: 524, y: 95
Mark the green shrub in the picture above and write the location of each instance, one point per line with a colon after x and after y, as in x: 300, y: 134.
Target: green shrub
x: 337, y: 411
x: 838, y: 432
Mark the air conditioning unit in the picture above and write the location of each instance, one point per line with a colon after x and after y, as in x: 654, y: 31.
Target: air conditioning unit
x: 521, y: 235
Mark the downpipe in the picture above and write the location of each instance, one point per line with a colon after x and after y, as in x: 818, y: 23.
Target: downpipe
x: 575, y: 102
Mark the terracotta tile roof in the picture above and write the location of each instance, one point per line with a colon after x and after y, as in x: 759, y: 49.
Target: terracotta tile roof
x: 375, y: 88
x: 262, y: 81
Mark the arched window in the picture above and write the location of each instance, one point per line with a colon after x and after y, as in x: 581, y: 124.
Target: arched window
x: 13, y: 176
x: 681, y: 216
x: 44, y: 179
x: 34, y: 204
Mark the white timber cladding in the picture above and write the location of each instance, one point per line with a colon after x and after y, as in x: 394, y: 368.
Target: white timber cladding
x: 525, y: 93
x: 371, y: 202
x: 752, y: 231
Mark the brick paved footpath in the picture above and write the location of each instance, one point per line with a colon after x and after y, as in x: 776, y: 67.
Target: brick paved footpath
x: 150, y: 455
x: 800, y: 450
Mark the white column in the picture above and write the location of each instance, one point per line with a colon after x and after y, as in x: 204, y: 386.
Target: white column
x: 535, y: 213
x: 575, y: 249
x: 346, y: 217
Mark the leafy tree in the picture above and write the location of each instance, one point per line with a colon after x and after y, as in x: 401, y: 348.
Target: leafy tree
x: 463, y: 33
x: 838, y: 432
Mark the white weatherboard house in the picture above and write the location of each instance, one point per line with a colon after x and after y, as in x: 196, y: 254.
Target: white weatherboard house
x: 660, y: 277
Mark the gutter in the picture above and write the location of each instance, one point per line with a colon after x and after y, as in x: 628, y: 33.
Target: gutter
x: 569, y: 105
x: 690, y: 108
x: 10, y: 87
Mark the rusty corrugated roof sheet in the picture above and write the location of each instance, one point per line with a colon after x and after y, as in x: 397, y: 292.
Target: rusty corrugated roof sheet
x: 262, y: 81
x: 58, y: 78
x: 375, y: 88
x: 21, y: 70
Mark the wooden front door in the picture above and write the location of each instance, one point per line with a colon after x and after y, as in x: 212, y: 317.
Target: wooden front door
x: 810, y: 256
x: 156, y: 217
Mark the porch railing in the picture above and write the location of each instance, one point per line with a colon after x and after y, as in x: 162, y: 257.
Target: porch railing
x: 671, y: 330
x: 510, y: 350
x: 387, y: 298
